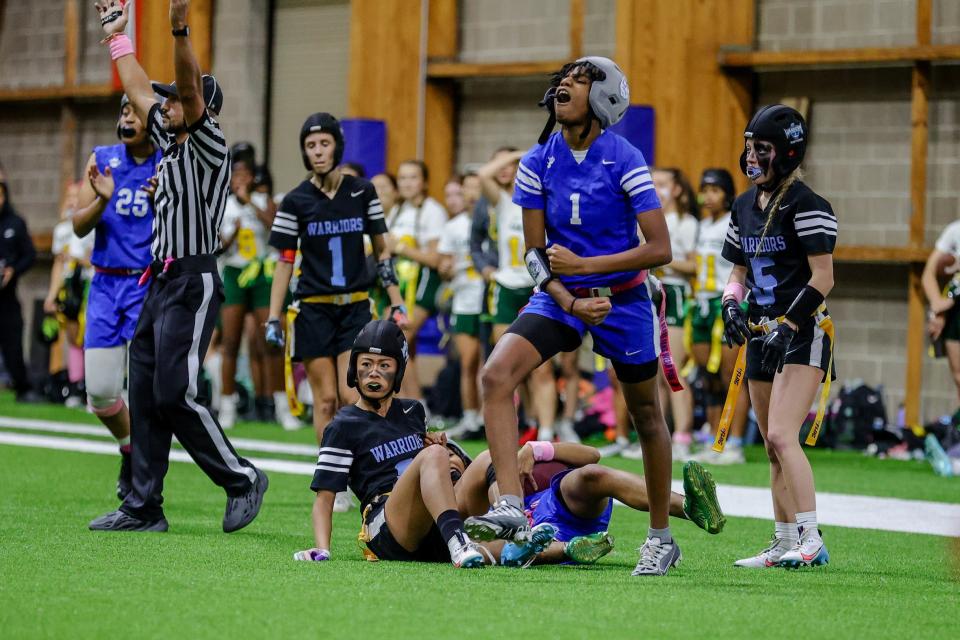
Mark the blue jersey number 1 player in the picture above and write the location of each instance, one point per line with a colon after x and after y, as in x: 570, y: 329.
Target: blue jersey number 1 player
x: 585, y: 189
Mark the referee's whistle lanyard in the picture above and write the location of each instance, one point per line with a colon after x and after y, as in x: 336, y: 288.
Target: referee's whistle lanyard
x: 147, y: 274
x: 739, y: 373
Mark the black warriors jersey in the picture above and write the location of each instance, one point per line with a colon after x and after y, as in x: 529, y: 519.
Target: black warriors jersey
x: 367, y: 452
x: 330, y: 235
x: 777, y: 268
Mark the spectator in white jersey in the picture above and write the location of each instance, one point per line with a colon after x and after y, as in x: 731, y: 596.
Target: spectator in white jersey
x: 415, y: 226
x: 680, y: 212
x: 704, y: 323
x: 467, y: 285
x: 941, y: 284
x: 512, y: 284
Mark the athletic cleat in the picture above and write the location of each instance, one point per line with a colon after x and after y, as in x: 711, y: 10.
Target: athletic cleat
x: 566, y: 432
x: 769, y: 557
x: 937, y: 457
x: 523, y: 554
x: 730, y: 455
x: 700, y: 498
x: 342, y: 503
x: 464, y: 554
x: 633, y: 452
x: 656, y: 558
x: 590, y: 548
x: 808, y: 552
x: 122, y: 521
x: 503, y: 522
x: 125, y: 479
x: 242, y: 509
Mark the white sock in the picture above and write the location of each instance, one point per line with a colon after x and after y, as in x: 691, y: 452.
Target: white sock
x: 470, y: 416
x: 787, y: 531
x: 807, y: 521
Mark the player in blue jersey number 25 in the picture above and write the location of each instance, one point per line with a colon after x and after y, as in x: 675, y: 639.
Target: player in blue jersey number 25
x: 586, y: 189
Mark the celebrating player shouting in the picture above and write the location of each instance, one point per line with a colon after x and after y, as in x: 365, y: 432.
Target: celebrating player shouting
x: 585, y: 189
x: 780, y: 241
x: 116, y: 203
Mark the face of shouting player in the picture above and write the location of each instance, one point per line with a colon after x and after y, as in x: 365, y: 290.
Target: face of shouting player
x: 760, y: 156
x: 320, y: 148
x: 375, y: 376
x: 132, y: 131
x: 573, y: 98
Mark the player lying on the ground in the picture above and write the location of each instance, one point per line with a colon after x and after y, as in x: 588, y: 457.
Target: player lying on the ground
x: 401, y: 474
x: 565, y: 489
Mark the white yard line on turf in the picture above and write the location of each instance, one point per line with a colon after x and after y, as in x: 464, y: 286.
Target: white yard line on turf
x: 263, y: 446
x: 864, y: 512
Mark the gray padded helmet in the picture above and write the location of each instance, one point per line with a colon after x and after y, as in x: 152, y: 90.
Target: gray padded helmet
x: 610, y: 97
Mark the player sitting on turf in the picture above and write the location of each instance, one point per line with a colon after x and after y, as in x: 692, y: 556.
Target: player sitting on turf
x: 401, y: 474
x: 565, y: 489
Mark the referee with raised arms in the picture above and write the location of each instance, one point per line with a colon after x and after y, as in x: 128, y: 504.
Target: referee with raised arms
x: 185, y: 291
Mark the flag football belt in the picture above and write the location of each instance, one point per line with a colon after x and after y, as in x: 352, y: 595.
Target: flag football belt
x: 644, y: 277
x: 113, y: 271
x: 289, y: 382
x: 375, y: 525
x: 339, y: 299
x: 740, y: 371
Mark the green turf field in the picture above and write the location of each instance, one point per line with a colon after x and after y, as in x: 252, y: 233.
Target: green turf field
x: 60, y: 580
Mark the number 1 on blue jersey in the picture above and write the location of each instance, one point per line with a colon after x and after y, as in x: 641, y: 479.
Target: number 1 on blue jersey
x: 575, y: 205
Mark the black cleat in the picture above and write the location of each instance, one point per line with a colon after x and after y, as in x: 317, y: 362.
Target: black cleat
x: 121, y: 521
x: 125, y: 479
x: 242, y: 509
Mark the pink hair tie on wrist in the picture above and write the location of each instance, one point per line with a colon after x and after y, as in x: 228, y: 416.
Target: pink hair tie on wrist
x: 736, y: 291
x: 120, y: 46
x: 542, y: 450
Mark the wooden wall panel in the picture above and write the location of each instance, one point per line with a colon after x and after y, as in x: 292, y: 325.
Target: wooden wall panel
x: 385, y: 70
x: 440, y: 117
x: 669, y: 52
x: 156, y: 42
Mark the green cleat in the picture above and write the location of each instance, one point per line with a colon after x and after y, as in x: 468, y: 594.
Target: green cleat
x: 590, y: 548
x: 700, y: 499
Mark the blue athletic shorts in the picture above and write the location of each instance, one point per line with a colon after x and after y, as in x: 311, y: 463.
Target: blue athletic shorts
x: 113, y: 308
x: 630, y: 334
x: 548, y: 506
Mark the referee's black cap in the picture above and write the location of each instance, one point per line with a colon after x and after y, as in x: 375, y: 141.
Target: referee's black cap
x: 212, y: 93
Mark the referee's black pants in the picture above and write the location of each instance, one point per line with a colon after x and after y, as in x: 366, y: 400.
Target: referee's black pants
x: 166, y: 353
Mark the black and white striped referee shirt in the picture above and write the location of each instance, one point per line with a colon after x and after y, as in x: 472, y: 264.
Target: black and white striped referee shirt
x: 193, y: 183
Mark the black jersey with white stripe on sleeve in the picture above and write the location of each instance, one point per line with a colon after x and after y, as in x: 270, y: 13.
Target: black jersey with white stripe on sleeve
x: 330, y: 235
x: 368, y: 452
x: 802, y: 225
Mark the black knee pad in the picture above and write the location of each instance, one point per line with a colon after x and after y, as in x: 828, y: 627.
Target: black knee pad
x: 547, y: 335
x: 634, y: 373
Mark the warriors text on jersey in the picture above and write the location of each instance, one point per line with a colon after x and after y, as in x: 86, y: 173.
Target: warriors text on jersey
x: 330, y: 234
x: 125, y: 230
x: 713, y: 270
x: 591, y: 206
x: 776, y: 261
x: 368, y: 452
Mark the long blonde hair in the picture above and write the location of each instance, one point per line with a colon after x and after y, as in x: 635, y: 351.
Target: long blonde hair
x: 771, y: 208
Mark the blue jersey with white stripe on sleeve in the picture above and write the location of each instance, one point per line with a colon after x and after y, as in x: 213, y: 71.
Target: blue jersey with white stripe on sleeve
x: 591, y: 206
x: 125, y: 230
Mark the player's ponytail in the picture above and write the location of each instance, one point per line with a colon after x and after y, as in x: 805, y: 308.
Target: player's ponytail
x: 772, y: 207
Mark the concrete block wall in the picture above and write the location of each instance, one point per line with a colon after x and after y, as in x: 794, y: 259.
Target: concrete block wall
x: 858, y: 155
x: 31, y: 44
x: 93, y: 58
x: 836, y: 24
x: 511, y: 30
x: 495, y: 113
x: 498, y: 112
x: 30, y: 151
x: 946, y: 22
x: 943, y: 166
x: 239, y: 63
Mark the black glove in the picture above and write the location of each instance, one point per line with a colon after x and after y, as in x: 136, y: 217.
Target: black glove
x: 273, y: 333
x: 735, y: 329
x: 774, y: 348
